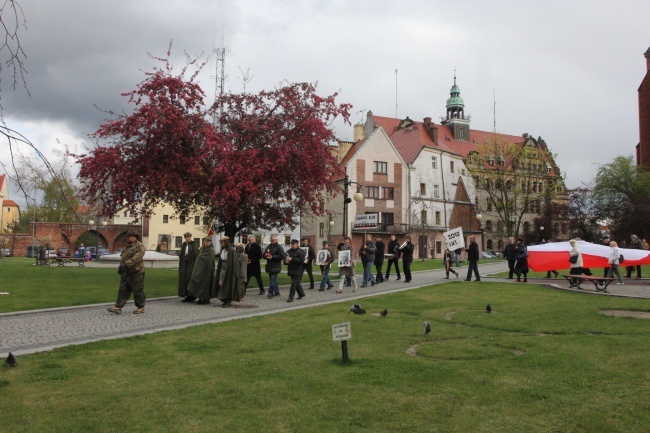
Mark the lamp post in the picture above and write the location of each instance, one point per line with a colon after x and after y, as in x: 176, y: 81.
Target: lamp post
x: 541, y: 233
x: 346, y: 199
x: 96, y: 224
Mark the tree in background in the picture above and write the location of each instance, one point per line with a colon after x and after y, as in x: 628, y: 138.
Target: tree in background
x: 586, y: 214
x: 264, y: 161
x: 515, y: 180
x: 622, y: 190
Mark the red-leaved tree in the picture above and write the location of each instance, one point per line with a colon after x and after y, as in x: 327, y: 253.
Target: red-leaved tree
x: 265, y: 160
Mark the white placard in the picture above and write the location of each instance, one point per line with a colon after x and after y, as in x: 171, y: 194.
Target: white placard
x: 366, y: 221
x: 454, y: 239
x: 341, y: 331
x: 345, y: 261
x: 321, y: 257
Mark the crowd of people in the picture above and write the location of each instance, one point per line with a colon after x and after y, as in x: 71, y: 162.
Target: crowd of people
x: 236, y: 265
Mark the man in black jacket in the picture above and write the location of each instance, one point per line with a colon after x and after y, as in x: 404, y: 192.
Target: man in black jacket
x: 308, y: 265
x: 379, y: 258
x: 295, y: 261
x: 472, y: 259
x: 510, y: 253
x: 253, y: 268
x: 274, y: 254
x: 393, y: 248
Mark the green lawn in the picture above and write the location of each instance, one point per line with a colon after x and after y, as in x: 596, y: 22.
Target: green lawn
x: 543, y: 361
x: 35, y: 287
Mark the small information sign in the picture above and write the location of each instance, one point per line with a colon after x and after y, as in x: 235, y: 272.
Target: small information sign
x: 341, y: 332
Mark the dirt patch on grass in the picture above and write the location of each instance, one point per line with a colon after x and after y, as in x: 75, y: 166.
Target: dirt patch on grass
x: 413, y: 350
x: 627, y: 313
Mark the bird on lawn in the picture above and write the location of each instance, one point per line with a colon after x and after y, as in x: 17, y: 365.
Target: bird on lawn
x: 427, y: 327
x: 356, y: 309
x: 384, y: 312
x: 11, y: 360
x: 488, y: 308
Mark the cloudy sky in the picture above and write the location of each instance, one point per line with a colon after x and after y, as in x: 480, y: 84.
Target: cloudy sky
x: 567, y: 71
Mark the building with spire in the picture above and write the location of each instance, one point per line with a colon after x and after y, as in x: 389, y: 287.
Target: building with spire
x: 492, y: 185
x: 10, y: 209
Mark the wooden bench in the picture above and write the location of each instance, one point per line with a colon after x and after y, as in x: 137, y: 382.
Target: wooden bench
x: 600, y: 283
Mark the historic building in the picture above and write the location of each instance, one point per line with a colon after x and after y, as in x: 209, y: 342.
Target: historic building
x: 10, y: 210
x: 643, y: 148
x: 492, y: 185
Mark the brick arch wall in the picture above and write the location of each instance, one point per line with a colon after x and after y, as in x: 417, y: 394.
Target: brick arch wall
x: 65, y: 235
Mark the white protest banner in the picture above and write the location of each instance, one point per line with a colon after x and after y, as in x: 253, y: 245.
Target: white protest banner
x: 366, y: 221
x: 454, y: 238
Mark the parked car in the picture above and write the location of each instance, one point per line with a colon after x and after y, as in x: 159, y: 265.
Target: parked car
x: 102, y: 252
x: 32, y: 251
x: 173, y: 252
x: 63, y: 252
x: 5, y: 252
x: 488, y: 255
x: 50, y: 254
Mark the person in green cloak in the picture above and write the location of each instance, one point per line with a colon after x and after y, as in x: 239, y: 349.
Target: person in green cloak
x: 227, y: 274
x: 202, y: 285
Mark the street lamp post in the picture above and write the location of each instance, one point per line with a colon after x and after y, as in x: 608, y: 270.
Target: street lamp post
x: 96, y: 224
x: 346, y: 199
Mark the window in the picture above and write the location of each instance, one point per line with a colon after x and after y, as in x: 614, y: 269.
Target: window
x: 423, y: 217
x: 434, y: 162
x: 178, y: 241
x: 388, y: 218
x: 372, y: 192
x: 181, y: 220
x: 381, y: 167
x: 438, y: 247
x: 436, y: 191
x: 488, y: 225
x: 451, y: 166
x: 438, y: 218
x: 488, y: 204
x: 197, y: 220
x: 321, y: 229
x: 389, y: 193
x: 165, y: 219
x: 126, y: 213
x: 287, y: 239
x: 206, y: 221
x: 423, y: 189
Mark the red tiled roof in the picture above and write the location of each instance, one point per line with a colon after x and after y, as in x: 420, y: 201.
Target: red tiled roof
x: 2, y: 180
x: 8, y: 202
x: 410, y: 140
x: 83, y: 209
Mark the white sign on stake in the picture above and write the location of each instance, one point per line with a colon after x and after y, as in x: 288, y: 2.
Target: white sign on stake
x: 341, y: 331
x: 366, y: 221
x: 454, y: 239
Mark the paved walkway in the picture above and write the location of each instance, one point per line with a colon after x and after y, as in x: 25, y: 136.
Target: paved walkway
x: 42, y: 330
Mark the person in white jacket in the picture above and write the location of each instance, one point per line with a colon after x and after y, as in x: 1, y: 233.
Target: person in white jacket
x: 613, y: 263
x: 576, y: 268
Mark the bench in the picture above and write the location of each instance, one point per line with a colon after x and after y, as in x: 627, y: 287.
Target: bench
x: 600, y: 283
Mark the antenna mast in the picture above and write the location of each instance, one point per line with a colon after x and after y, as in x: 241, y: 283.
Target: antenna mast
x: 220, y: 77
x: 396, y: 115
x: 494, y: 109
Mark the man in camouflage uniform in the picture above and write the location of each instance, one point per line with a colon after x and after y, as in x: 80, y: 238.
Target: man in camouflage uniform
x: 132, y: 275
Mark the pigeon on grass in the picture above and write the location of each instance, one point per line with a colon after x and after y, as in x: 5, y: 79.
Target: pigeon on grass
x: 488, y: 308
x: 427, y: 327
x: 356, y: 309
x: 384, y: 312
x: 11, y: 360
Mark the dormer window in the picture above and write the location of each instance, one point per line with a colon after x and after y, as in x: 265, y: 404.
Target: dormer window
x: 490, y: 159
